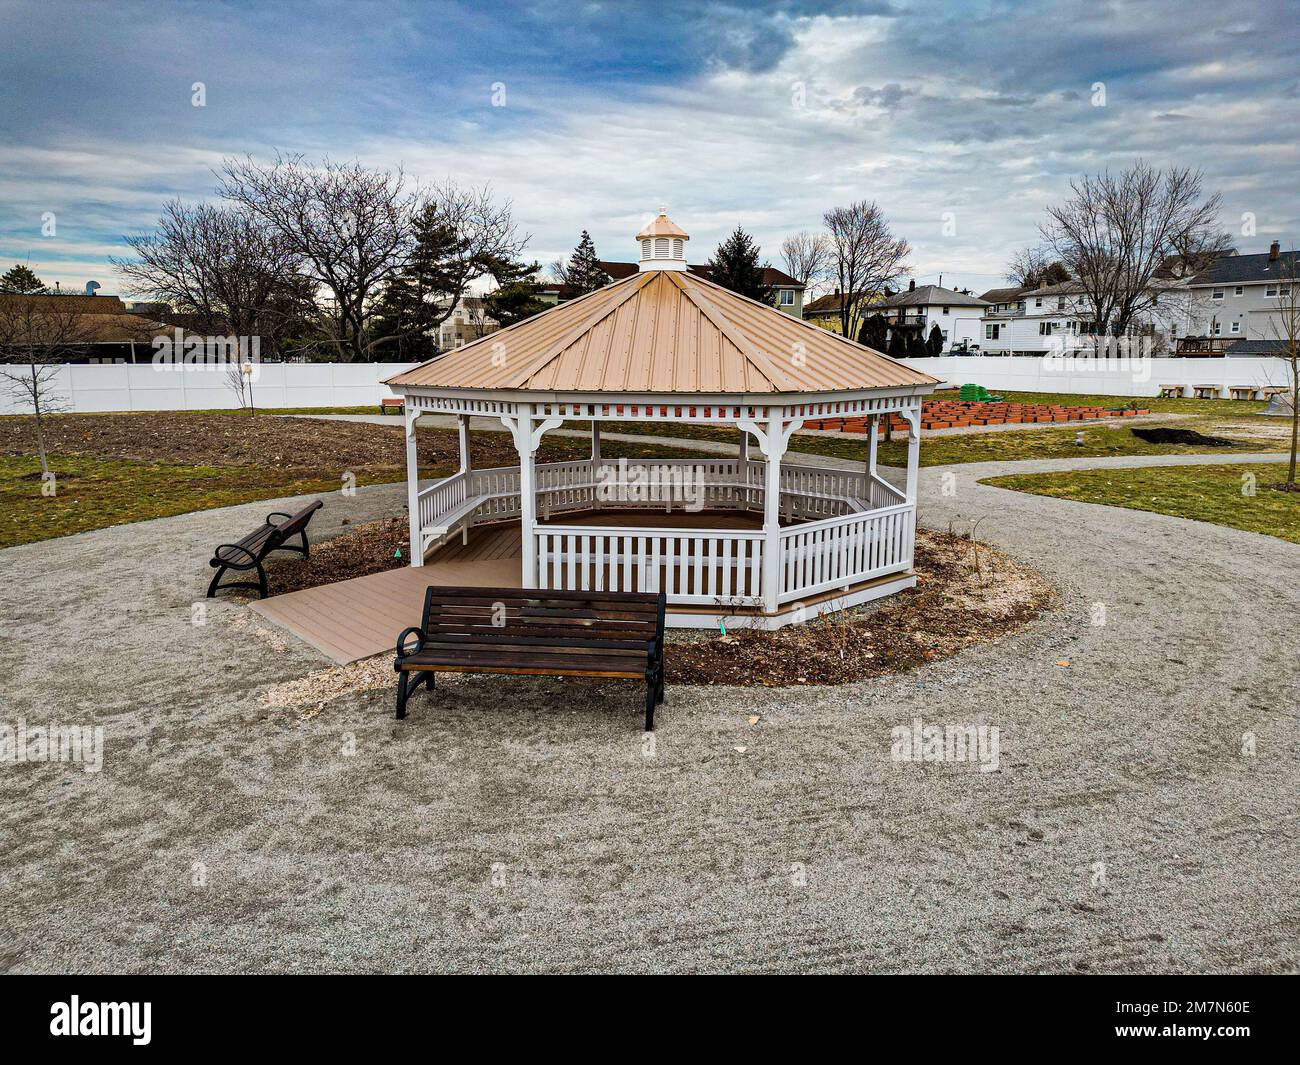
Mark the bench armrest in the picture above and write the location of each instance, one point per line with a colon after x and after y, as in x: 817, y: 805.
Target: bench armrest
x: 402, y: 651
x: 270, y: 518
x: 217, y: 560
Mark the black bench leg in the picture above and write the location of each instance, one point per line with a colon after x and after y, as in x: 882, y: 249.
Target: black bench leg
x: 406, y: 687
x: 651, y: 692
x: 402, y: 694
x: 261, y: 581
x: 212, y: 587
x: 660, y: 692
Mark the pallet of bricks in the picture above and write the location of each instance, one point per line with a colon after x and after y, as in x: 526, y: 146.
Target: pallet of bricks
x: 955, y: 414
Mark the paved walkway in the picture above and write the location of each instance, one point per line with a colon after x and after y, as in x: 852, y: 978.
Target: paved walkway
x: 523, y: 824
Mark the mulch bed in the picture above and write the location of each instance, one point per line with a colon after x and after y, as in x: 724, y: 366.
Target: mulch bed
x: 268, y: 441
x: 950, y: 414
x: 966, y: 593
x: 369, y: 548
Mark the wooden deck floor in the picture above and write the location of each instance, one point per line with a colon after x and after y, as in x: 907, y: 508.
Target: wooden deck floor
x: 361, y: 617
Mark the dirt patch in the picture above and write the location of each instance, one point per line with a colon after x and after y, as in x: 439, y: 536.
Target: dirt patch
x: 267, y: 441
x: 1163, y: 434
x: 966, y: 593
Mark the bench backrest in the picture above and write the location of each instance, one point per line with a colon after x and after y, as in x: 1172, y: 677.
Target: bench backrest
x: 543, y: 615
x: 298, y: 522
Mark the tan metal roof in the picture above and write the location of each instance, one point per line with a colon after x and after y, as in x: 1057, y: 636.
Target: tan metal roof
x: 664, y: 331
x: 663, y: 226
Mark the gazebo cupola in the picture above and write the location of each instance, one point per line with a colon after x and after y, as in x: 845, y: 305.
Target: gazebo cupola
x: 663, y: 244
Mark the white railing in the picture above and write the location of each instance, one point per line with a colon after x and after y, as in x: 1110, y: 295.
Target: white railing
x: 881, y: 494
x: 690, y: 566
x: 842, y: 551
x: 441, y: 499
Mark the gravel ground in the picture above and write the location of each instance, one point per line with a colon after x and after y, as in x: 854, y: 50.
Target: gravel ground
x: 513, y: 824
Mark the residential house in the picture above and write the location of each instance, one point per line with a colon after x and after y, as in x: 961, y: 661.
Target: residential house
x: 956, y: 313
x: 1034, y: 320
x: 86, y: 328
x: 1238, y: 298
x: 468, y: 321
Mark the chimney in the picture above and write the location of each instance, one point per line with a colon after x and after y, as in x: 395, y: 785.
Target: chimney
x: 1274, y: 250
x: 837, y: 293
x: 911, y: 285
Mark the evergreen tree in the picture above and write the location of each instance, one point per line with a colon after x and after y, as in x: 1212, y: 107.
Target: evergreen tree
x: 934, y: 346
x: 21, y: 280
x: 916, y: 346
x: 874, y: 332
x: 517, y: 295
x: 897, y: 344
x: 583, y: 271
x: 735, y: 266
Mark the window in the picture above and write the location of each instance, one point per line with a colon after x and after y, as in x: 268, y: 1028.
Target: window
x: 1038, y: 302
x: 944, y: 333
x: 1240, y: 290
x: 1060, y: 303
x: 945, y: 310
x: 991, y: 332
x: 1217, y: 329
x: 1045, y: 329
x: 1236, y: 327
x: 1217, y: 294
x: 787, y: 297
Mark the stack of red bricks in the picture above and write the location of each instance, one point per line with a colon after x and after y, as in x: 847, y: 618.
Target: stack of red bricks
x: 954, y: 414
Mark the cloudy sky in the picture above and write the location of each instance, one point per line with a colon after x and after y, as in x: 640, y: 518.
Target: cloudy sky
x: 974, y: 114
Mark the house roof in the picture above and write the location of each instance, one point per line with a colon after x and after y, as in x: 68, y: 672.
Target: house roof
x: 1244, y: 269
x: 1005, y: 295
x: 932, y: 295
x: 772, y: 277
x: 80, y: 319
x: 1257, y: 347
x: 664, y: 331
x: 832, y: 301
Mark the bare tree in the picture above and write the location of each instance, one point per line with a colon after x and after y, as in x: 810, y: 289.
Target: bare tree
x: 807, y: 256
x: 224, y: 266
x: 1030, y: 267
x: 349, y: 227
x: 865, y: 257
x: 1116, y: 231
x: 1286, y: 331
x: 36, y: 334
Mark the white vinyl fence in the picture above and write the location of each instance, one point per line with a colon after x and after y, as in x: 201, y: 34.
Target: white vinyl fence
x: 1107, y: 377
x: 87, y: 388
x: 145, y: 386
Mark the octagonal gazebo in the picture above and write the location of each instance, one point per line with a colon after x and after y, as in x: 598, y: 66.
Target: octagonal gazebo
x: 725, y: 538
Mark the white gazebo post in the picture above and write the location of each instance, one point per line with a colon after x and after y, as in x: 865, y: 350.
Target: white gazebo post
x: 462, y: 426
x: 873, y: 427
x: 595, y: 442
x: 913, y: 418
x: 413, y: 486
x: 527, y: 491
x: 772, y: 442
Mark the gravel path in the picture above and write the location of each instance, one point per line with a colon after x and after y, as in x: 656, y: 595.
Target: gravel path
x: 516, y: 824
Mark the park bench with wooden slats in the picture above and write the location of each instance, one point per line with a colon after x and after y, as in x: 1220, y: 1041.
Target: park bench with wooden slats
x: 1172, y: 391
x: 1242, y: 391
x: 1207, y: 391
x: 535, y: 632
x: 250, y: 552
